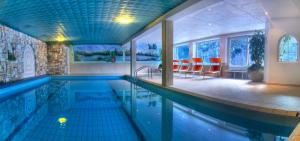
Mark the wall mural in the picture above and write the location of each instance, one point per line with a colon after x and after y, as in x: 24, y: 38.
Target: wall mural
x: 100, y: 53
x: 148, y: 52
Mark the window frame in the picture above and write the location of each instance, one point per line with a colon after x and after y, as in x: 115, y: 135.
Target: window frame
x: 206, y: 40
x: 229, y: 51
x: 278, y: 50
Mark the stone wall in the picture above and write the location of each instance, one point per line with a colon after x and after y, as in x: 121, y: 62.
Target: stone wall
x: 12, y: 46
x: 57, y: 59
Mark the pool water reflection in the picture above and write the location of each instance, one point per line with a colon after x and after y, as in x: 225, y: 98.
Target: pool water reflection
x: 117, y: 110
x: 183, y: 120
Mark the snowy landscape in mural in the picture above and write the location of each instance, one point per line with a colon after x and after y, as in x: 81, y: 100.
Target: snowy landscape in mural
x: 106, y: 53
x: 148, y: 52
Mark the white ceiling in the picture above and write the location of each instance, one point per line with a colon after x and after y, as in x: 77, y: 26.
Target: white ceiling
x: 225, y: 16
x: 282, y: 8
x: 153, y: 35
x: 220, y: 17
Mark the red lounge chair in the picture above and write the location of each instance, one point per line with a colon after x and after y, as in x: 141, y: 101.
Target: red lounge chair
x: 197, y: 66
x: 175, y: 65
x: 184, y: 67
x: 215, y: 67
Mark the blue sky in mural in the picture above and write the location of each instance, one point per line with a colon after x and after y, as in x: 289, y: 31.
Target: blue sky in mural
x: 96, y: 48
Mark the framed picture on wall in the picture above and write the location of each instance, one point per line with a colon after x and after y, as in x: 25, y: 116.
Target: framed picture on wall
x: 11, y: 51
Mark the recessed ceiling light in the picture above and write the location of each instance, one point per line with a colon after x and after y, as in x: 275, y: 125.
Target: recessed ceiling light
x: 266, y: 13
x: 60, y: 38
x: 209, y: 24
x: 124, y: 19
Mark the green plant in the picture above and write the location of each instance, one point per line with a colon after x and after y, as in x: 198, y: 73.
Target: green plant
x: 257, y: 50
x: 113, y: 53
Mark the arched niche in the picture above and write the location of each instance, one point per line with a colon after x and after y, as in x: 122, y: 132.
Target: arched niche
x: 28, y: 62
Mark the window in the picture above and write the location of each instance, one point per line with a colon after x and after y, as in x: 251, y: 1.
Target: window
x: 239, y: 51
x: 208, y: 49
x: 288, y: 49
x: 181, y: 52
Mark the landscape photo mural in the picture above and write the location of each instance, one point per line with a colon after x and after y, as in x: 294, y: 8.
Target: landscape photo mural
x: 148, y: 52
x: 101, y: 53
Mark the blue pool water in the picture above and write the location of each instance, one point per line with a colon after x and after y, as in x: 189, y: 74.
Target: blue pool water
x: 114, y: 109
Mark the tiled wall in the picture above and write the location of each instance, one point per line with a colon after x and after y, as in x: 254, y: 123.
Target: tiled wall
x: 13, y: 70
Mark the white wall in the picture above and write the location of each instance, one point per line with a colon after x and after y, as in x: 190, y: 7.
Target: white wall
x: 277, y: 72
x: 100, y: 69
x: 108, y: 68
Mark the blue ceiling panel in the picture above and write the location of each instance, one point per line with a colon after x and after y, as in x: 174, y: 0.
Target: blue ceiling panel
x: 81, y: 21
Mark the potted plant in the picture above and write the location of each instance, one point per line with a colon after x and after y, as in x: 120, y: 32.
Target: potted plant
x: 113, y: 56
x: 257, y: 52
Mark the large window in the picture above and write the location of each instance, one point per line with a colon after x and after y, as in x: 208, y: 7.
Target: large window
x: 181, y: 52
x: 208, y: 49
x: 288, y: 49
x: 239, y: 51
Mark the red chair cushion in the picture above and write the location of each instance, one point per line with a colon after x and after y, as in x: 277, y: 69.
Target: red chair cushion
x: 175, y: 67
x: 215, y: 68
x: 184, y: 68
x: 197, y: 67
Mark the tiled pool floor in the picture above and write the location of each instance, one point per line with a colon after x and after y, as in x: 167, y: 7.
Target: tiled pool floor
x: 79, y: 111
x: 100, y: 118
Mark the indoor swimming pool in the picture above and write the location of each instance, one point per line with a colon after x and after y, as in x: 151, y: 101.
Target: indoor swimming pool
x: 88, y: 108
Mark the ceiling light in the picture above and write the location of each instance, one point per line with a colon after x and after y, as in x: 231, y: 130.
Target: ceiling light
x: 124, y: 19
x: 60, y: 38
x: 209, y: 24
x: 266, y: 13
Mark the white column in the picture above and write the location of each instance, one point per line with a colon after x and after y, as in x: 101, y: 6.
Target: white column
x: 267, y: 52
x: 191, y: 49
x: 124, y: 54
x: 132, y: 57
x: 167, y: 53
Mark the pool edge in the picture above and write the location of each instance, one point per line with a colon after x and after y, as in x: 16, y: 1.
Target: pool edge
x: 268, y: 110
